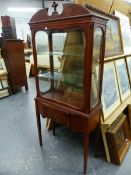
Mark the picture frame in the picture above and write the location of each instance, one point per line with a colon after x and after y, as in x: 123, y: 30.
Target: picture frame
x: 2, y: 67
x: 126, y: 36
x: 113, y: 43
x: 123, y: 80
x: 127, y: 111
x: 117, y: 139
x: 110, y: 96
x: 4, y: 93
x: 4, y: 86
x: 128, y: 60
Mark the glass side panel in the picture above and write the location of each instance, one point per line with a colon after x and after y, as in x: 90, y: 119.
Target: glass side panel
x: 42, y: 48
x: 95, y: 75
x: 60, y: 61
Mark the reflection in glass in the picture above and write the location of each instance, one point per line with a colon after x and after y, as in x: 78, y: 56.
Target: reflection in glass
x: 60, y: 60
x: 95, y: 75
x: 42, y: 43
x: 42, y: 48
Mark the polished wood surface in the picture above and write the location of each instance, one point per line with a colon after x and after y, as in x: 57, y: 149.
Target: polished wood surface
x: 13, y: 54
x: 77, y: 118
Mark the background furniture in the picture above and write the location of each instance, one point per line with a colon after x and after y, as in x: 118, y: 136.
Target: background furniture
x: 13, y: 54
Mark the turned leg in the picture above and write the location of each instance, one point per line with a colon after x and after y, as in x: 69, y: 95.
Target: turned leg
x: 86, y: 141
x: 39, y: 128
x: 38, y: 124
x: 54, y: 128
x: 13, y: 90
x: 26, y: 86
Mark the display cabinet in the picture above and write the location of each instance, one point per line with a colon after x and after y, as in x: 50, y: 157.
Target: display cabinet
x: 72, y: 44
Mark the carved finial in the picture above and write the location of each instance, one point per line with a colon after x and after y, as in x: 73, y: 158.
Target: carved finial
x: 54, y: 5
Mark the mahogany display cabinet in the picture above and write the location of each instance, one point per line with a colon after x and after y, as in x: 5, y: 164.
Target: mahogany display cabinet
x: 71, y: 45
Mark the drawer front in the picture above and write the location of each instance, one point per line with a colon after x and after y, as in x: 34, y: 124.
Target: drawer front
x: 75, y: 123
x: 78, y: 124
x: 58, y: 116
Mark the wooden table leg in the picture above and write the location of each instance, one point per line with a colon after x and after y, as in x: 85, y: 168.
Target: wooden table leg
x: 26, y: 86
x: 38, y: 124
x: 39, y: 128
x: 86, y: 141
x: 13, y: 90
x: 54, y: 128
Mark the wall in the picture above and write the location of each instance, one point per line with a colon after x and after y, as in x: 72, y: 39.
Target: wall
x: 22, y: 19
